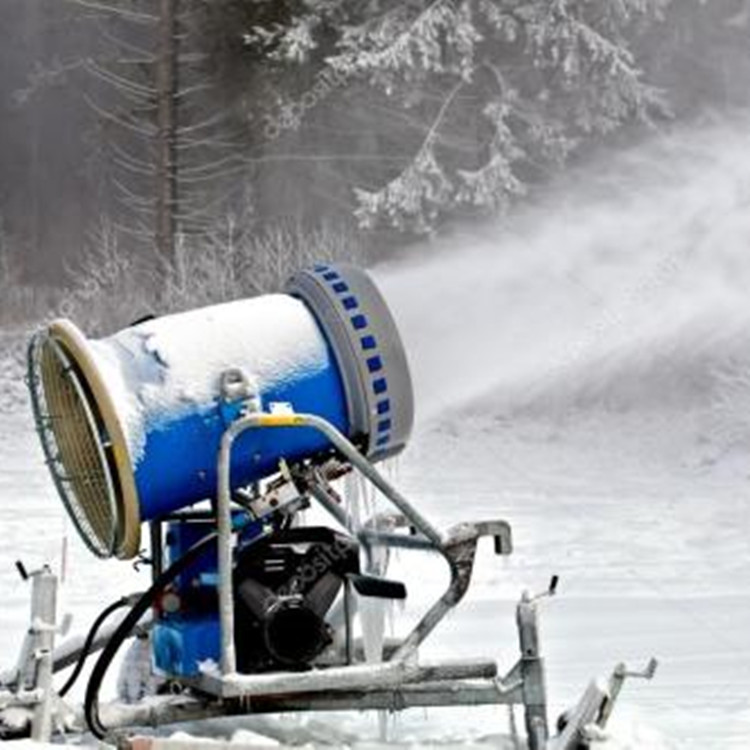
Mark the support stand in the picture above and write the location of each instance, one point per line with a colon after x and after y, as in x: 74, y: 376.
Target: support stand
x: 29, y: 685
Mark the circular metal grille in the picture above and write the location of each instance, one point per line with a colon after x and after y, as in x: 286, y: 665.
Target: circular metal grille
x: 76, y: 445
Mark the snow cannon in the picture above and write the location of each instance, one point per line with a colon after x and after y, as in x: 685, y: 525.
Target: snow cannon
x: 219, y: 428
x: 131, y: 425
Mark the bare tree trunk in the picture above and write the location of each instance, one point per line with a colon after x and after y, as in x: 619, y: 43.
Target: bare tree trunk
x: 35, y: 181
x: 166, y: 158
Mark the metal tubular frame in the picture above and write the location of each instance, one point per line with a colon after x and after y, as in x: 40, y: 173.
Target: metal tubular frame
x: 399, y: 681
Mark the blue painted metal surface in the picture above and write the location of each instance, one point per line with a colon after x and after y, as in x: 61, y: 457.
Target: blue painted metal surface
x: 193, y: 440
x: 181, y: 643
x: 181, y: 640
x: 152, y: 408
x: 368, y: 345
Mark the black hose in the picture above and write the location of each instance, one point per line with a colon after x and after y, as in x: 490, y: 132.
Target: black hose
x: 91, y: 701
x: 89, y: 642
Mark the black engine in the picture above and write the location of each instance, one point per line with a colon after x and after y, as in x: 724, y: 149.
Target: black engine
x: 283, y: 587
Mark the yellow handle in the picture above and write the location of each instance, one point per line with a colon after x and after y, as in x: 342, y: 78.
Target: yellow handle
x: 280, y: 420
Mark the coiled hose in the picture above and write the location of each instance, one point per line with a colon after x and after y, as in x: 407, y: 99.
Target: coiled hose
x: 89, y: 642
x: 91, y: 701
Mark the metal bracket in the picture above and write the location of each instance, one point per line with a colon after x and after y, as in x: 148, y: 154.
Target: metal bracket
x: 617, y: 682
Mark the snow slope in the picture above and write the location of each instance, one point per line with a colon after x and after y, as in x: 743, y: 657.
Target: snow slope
x: 582, y: 372
x: 585, y: 371
x: 625, y: 285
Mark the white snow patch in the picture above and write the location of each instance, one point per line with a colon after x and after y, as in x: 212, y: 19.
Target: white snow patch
x: 136, y: 679
x: 209, y: 667
x: 164, y: 368
x: 189, y: 741
x: 246, y: 737
x: 628, y: 732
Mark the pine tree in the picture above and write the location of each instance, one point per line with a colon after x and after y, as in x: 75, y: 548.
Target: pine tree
x: 527, y: 80
x: 167, y: 156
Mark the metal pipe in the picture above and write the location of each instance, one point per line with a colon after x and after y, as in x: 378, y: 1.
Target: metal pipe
x: 171, y: 710
x: 69, y: 651
x: 43, y: 616
x: 388, y: 674
x: 228, y: 662
x: 157, y: 549
x: 532, y: 673
x: 360, y: 677
x: 158, y: 711
x: 584, y: 714
x: 406, y: 696
x: 332, y: 507
x: 348, y: 620
x: 403, y: 541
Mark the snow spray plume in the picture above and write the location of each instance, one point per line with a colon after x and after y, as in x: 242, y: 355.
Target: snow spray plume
x: 624, y: 285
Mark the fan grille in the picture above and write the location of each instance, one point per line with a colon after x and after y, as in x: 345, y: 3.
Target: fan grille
x: 77, y: 447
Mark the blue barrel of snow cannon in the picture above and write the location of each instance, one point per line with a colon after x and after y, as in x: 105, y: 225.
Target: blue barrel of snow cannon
x: 131, y: 424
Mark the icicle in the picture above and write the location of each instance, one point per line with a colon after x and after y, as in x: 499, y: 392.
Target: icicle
x: 513, y: 727
x: 352, y: 499
x: 391, y: 469
x: 384, y: 724
x: 64, y: 551
x: 361, y: 501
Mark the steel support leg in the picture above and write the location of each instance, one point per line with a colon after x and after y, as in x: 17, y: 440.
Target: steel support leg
x: 532, y: 673
x: 43, y: 612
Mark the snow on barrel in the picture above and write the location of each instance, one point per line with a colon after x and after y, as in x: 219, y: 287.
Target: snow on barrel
x: 131, y: 424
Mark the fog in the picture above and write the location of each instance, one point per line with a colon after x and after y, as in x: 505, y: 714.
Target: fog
x: 625, y: 283
x: 54, y: 186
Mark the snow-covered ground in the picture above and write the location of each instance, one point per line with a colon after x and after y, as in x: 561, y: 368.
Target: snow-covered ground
x: 652, y: 552
x: 582, y: 373
x: 651, y: 547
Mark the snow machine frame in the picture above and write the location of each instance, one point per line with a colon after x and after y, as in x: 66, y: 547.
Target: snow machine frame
x: 337, y: 681
x: 381, y: 685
